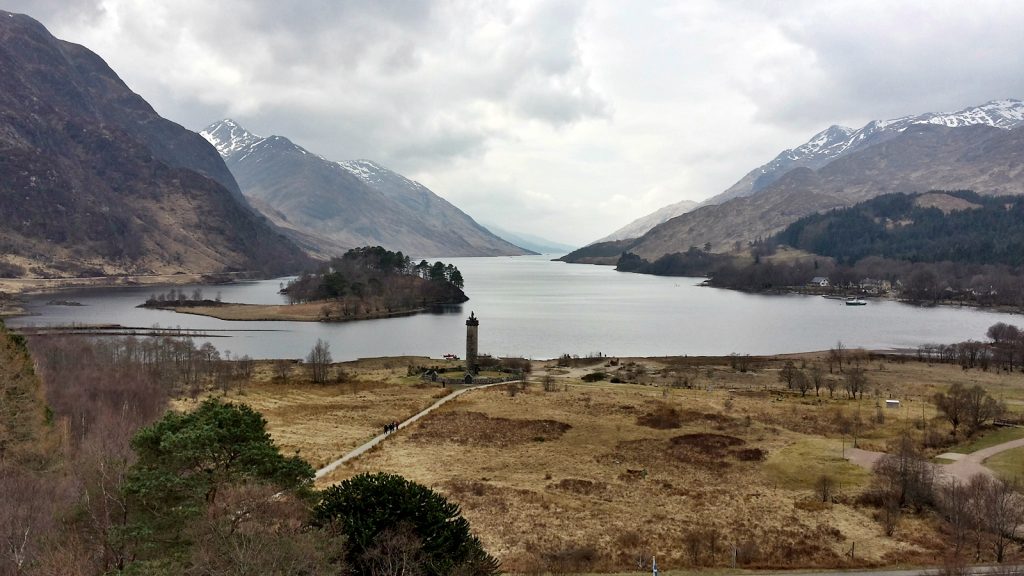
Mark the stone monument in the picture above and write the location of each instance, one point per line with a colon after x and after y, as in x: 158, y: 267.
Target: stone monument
x: 472, y: 325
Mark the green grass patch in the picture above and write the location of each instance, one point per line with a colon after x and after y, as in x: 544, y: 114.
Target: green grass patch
x: 938, y: 460
x: 799, y: 465
x: 987, y: 439
x: 1008, y: 465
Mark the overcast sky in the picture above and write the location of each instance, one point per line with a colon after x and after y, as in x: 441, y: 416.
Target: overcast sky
x: 561, y: 119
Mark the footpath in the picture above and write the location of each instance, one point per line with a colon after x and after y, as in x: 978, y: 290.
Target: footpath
x: 963, y: 467
x: 380, y: 437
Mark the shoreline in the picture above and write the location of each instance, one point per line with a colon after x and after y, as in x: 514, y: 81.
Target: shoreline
x: 32, y: 286
x: 306, y: 312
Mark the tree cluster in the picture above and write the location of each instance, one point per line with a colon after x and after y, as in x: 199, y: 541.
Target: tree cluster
x: 973, y: 407
x: 374, y: 280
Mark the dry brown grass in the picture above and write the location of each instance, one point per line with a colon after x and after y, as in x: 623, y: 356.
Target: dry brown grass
x: 577, y: 480
x: 322, y: 422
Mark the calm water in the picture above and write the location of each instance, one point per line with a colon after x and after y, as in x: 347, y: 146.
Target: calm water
x: 532, y: 307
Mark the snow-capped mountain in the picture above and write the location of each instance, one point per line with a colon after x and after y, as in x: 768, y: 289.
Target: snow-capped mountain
x: 838, y: 141
x: 330, y: 206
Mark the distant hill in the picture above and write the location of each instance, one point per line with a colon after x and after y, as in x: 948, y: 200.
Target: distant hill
x: 530, y: 242
x: 93, y: 181
x: 641, y: 226
x: 923, y: 157
x: 331, y: 206
x: 977, y: 148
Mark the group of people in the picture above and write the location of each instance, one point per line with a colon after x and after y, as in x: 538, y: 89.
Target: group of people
x: 389, y: 428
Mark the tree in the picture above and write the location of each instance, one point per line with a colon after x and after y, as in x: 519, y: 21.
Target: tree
x: 319, y: 360
x: 903, y: 477
x: 801, y: 382
x: 184, y: 460
x: 380, y: 512
x: 817, y: 376
x: 980, y: 407
x: 836, y: 355
x: 952, y: 404
x: 788, y: 374
x: 856, y: 382
x: 955, y: 503
x: 282, y: 369
x: 999, y: 509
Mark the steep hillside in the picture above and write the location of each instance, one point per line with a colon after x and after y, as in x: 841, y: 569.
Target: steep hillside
x: 347, y: 204
x: 93, y: 181
x: 923, y: 157
x: 641, y: 226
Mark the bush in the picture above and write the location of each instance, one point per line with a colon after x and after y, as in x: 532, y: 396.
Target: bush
x: 594, y: 377
x: 377, y: 512
x: 663, y: 418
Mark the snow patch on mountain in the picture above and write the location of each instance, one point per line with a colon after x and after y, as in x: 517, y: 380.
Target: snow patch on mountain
x: 838, y: 141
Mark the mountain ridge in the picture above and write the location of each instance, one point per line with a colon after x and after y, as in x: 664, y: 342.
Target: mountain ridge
x: 94, y: 182
x: 837, y: 141
x: 922, y: 157
x: 348, y: 203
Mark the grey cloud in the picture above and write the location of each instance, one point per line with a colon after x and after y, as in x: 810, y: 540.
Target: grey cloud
x: 866, y: 63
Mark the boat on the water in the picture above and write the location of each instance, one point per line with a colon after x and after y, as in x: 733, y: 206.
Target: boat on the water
x: 853, y: 301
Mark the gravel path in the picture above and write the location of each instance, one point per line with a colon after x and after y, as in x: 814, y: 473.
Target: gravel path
x: 963, y: 469
x: 380, y: 437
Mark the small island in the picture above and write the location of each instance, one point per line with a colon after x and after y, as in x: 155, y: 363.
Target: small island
x: 363, y: 284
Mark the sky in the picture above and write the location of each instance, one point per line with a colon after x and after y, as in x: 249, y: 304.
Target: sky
x: 562, y: 119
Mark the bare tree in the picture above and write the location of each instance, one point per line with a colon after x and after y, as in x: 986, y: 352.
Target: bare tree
x: 903, y: 477
x: 856, y: 382
x: 836, y: 355
x: 952, y: 404
x: 980, y: 407
x: 788, y: 373
x: 817, y: 376
x: 824, y: 487
x: 954, y: 500
x: 831, y: 383
x: 319, y: 360
x: 801, y: 382
x: 999, y: 510
x: 282, y: 369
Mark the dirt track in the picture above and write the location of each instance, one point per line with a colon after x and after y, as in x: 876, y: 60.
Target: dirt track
x: 962, y: 470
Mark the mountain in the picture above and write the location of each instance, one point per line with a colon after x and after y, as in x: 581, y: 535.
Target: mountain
x: 837, y: 141
x: 330, y: 206
x: 640, y: 226
x: 924, y: 156
x: 530, y: 242
x: 93, y: 181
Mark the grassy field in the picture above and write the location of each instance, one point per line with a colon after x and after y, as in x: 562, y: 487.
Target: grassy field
x: 988, y: 439
x: 324, y: 421
x: 1008, y: 465
x: 689, y: 459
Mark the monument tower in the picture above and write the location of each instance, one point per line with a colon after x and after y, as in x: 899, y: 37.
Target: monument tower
x: 472, y: 324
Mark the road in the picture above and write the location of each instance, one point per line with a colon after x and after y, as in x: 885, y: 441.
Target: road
x: 380, y: 437
x: 963, y: 469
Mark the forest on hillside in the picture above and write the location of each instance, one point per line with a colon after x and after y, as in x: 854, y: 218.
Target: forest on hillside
x: 970, y: 252
x: 976, y: 230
